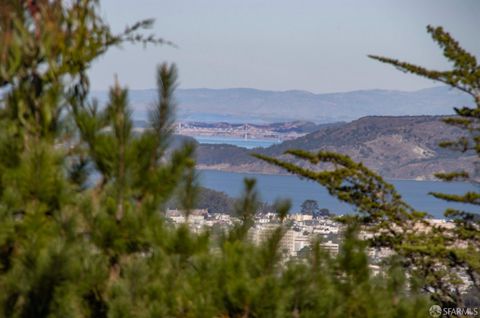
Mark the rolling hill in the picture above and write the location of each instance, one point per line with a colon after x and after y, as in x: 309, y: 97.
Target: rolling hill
x: 256, y: 106
x: 401, y: 147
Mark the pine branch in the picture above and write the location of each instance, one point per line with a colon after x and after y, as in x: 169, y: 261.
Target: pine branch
x: 121, y: 124
x: 453, y: 176
x: 188, y: 190
x: 451, y: 78
x: 468, y: 197
x: 161, y: 115
x: 465, y: 75
x: 349, y: 182
x: 454, y: 52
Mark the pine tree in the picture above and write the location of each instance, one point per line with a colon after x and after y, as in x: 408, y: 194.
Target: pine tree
x: 82, y: 196
x: 436, y: 255
x: 463, y: 247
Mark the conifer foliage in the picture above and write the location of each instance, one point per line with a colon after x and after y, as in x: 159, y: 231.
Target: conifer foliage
x: 444, y: 259
x: 82, y: 229
x: 460, y: 245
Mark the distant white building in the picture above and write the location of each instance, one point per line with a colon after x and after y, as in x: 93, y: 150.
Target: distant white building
x: 196, y: 217
x: 330, y: 247
x: 298, y: 217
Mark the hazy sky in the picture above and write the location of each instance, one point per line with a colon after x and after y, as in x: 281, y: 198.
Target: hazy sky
x: 314, y: 45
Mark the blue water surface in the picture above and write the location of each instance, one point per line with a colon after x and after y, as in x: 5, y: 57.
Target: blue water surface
x: 239, y: 142
x: 272, y: 187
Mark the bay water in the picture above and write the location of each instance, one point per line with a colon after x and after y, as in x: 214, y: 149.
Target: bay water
x: 272, y: 187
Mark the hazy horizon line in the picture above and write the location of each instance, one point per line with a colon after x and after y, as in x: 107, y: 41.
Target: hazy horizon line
x: 288, y: 90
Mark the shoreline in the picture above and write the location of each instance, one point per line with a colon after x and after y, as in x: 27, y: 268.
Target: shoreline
x: 223, y: 168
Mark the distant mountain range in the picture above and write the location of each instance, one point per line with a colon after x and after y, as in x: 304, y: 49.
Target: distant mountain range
x: 257, y: 106
x: 404, y: 147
